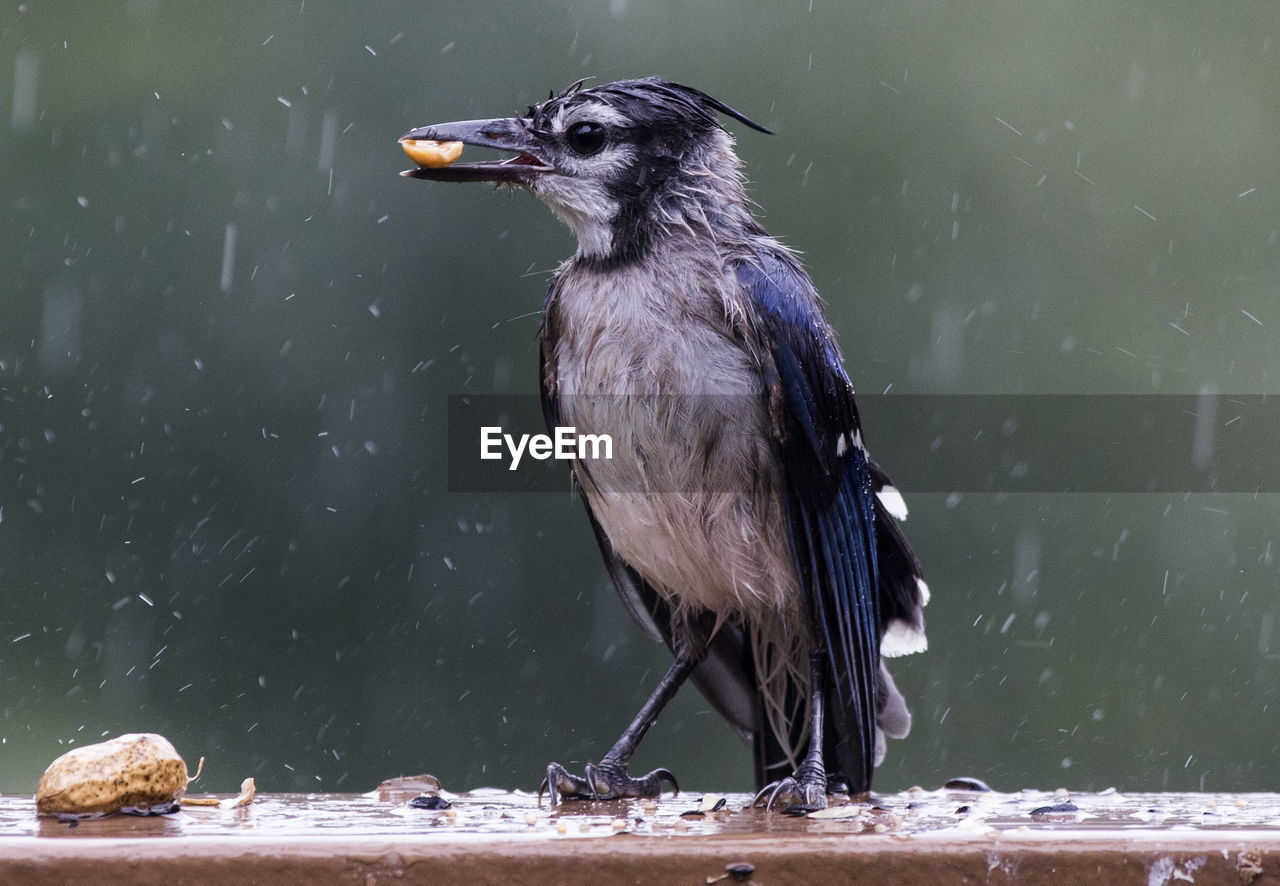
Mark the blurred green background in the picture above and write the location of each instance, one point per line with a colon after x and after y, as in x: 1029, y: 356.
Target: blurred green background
x: 228, y: 332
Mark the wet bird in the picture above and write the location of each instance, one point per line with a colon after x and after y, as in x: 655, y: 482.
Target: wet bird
x: 747, y: 527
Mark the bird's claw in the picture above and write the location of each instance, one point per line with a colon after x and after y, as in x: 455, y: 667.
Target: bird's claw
x: 607, y: 781
x: 562, y: 783
x: 796, y: 793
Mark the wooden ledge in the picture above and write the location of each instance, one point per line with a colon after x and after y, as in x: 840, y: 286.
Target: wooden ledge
x: 497, y: 837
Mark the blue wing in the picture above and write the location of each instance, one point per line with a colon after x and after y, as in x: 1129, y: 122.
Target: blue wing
x: 831, y: 503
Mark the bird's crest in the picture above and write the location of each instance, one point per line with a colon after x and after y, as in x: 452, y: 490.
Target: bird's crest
x: 664, y: 93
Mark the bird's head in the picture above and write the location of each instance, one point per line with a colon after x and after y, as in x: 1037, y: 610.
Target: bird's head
x: 620, y: 163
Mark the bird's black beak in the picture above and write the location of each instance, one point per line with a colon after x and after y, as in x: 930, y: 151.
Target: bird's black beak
x: 504, y: 134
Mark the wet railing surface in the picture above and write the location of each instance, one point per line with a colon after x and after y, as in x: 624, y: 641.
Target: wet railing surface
x: 489, y: 813
x: 1158, y: 838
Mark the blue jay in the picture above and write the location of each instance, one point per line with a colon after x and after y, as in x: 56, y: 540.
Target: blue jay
x: 749, y: 529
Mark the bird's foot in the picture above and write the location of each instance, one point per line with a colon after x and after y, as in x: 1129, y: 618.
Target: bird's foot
x: 607, y: 781
x: 806, y: 791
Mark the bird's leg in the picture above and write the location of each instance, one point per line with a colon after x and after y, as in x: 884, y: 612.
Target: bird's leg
x: 806, y: 789
x: 609, y: 779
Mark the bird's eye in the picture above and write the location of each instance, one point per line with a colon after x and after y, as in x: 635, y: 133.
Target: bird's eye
x: 586, y: 138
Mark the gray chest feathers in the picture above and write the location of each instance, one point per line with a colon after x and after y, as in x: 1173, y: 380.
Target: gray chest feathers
x: 661, y: 361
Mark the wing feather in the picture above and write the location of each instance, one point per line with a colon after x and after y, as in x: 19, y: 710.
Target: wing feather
x: 830, y: 503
